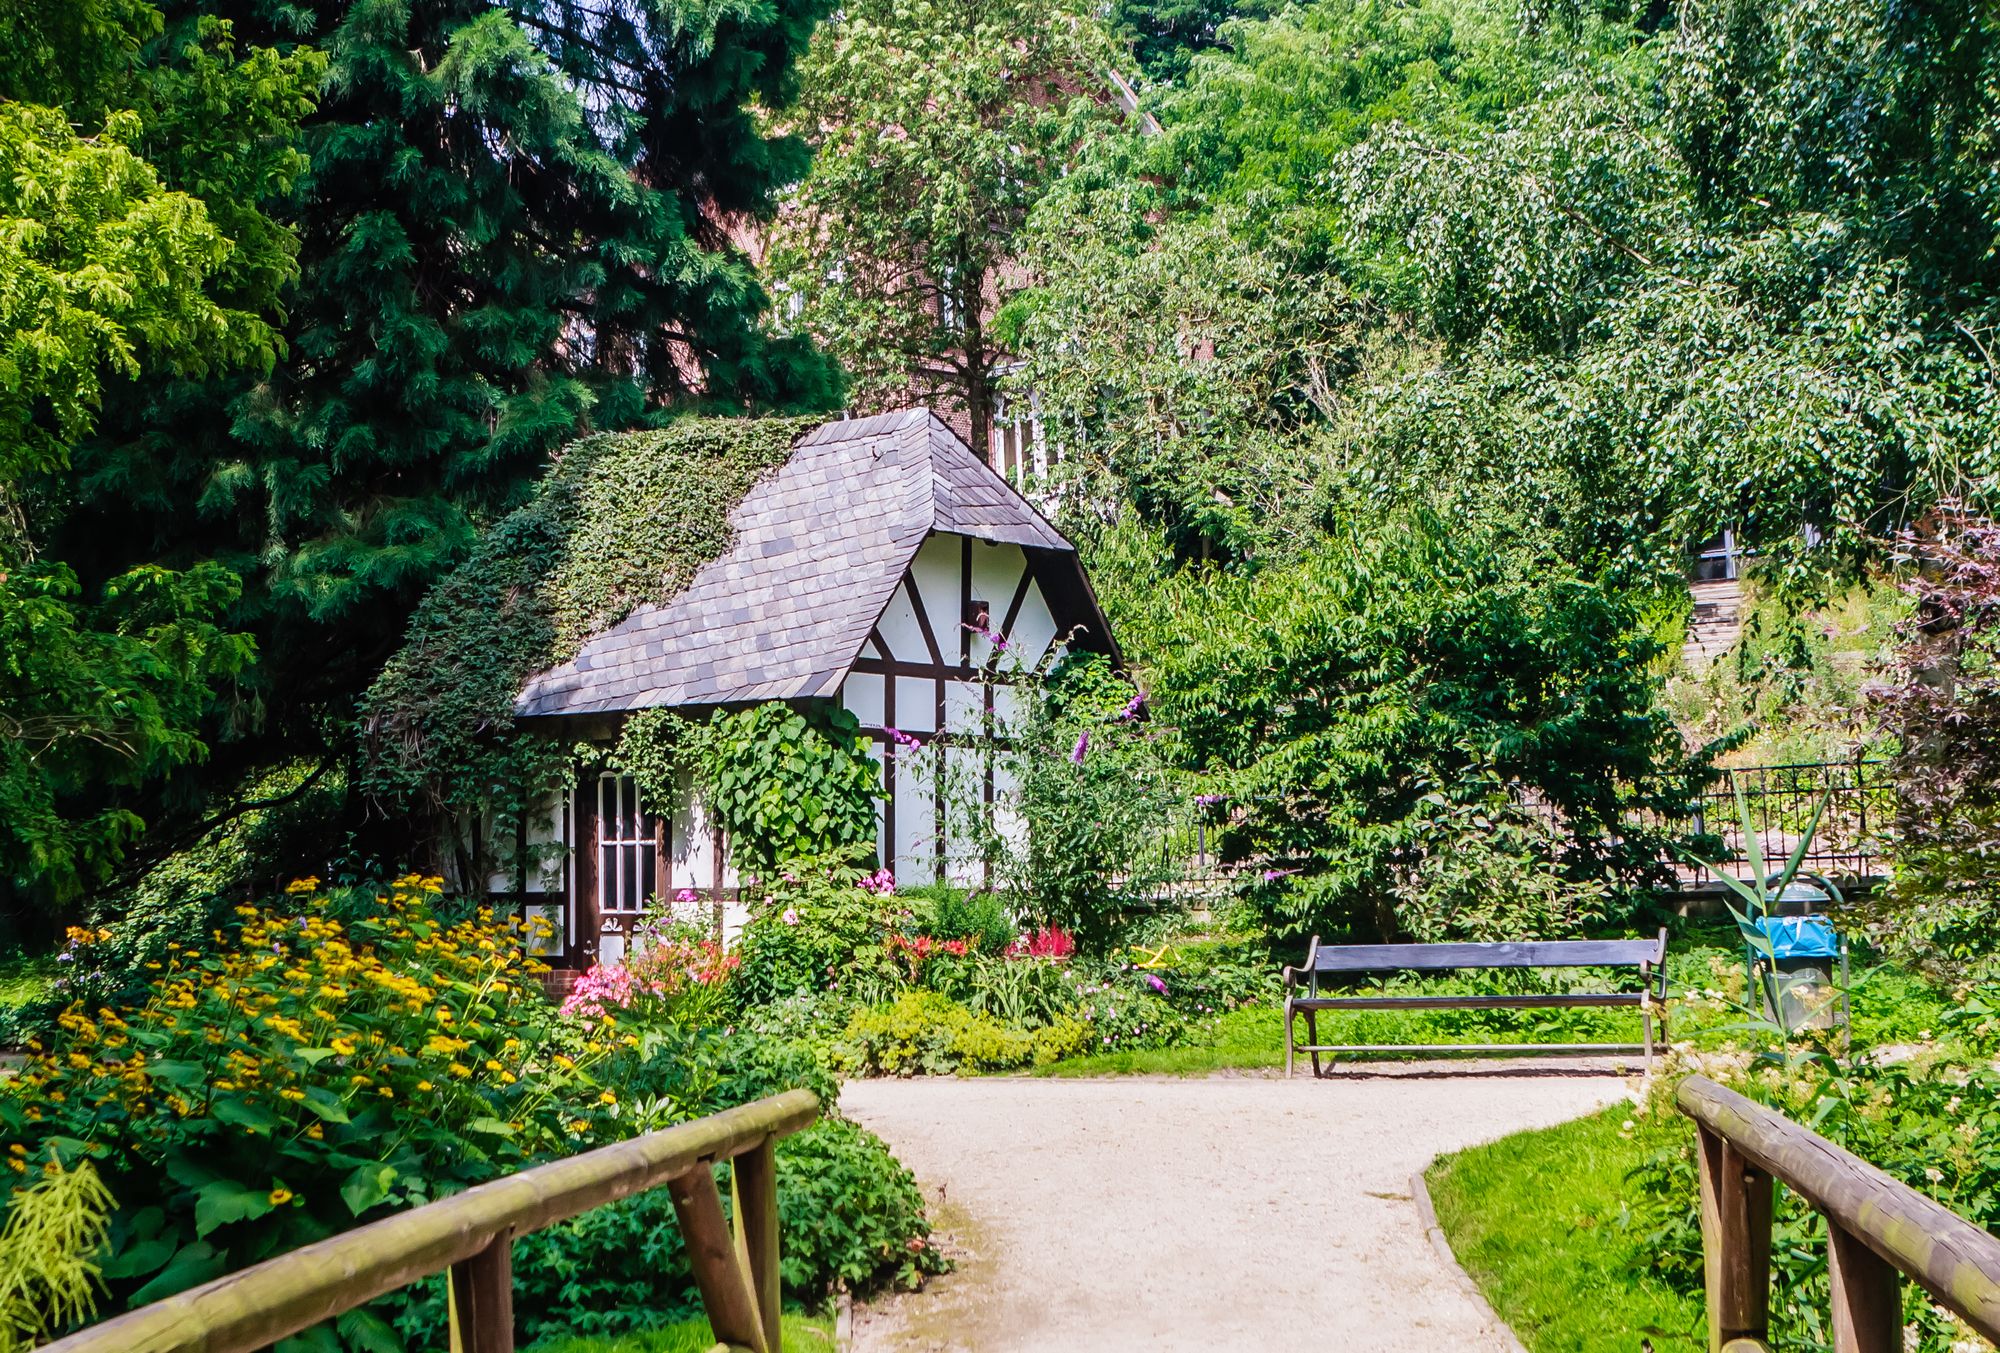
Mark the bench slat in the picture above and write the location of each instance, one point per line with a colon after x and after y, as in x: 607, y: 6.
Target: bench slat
x: 1529, y: 954
x: 1589, y: 998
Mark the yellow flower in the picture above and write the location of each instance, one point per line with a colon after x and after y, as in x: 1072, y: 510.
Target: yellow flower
x: 291, y: 1094
x: 425, y: 1086
x: 461, y: 1070
x: 607, y: 1098
x: 386, y: 1092
x: 315, y: 1132
x: 280, y: 1196
x: 492, y: 1065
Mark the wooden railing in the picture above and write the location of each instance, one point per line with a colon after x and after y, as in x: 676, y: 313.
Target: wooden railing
x: 1878, y: 1231
x: 472, y: 1234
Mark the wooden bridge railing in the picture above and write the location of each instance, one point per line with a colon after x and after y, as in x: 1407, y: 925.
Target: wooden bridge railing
x: 1878, y: 1230
x: 472, y: 1233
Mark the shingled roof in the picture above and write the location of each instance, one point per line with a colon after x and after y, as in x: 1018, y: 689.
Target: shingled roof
x: 819, y: 548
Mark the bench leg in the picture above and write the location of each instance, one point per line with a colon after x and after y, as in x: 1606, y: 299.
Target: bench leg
x: 1646, y: 1019
x: 1289, y: 1040
x: 1312, y: 1039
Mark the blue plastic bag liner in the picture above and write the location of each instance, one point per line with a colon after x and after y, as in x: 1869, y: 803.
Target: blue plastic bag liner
x: 1800, y: 936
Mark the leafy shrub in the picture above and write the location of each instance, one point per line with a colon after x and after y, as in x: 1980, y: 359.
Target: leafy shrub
x: 1094, y: 801
x: 1209, y: 978
x: 300, y: 1077
x: 850, y: 1215
x: 921, y: 1031
x: 1130, y: 1013
x: 946, y: 912
x: 1491, y: 870
x: 814, y: 922
x: 1332, y: 698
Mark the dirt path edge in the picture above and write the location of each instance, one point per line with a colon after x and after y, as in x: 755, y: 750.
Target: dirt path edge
x: 1420, y: 1193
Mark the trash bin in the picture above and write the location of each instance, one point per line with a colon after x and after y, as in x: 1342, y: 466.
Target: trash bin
x: 1802, y: 991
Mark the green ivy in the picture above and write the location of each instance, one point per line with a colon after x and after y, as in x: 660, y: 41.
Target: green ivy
x: 783, y: 784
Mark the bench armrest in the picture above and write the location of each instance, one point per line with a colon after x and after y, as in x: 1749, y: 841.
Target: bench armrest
x: 1299, y: 976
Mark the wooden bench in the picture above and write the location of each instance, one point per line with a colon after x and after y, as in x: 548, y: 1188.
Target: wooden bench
x: 1649, y: 957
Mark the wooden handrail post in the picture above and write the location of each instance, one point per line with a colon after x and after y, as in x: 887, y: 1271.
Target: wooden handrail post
x: 482, y: 1299
x: 725, y: 1287
x: 1736, y: 1241
x: 757, y: 1210
x: 1867, y: 1296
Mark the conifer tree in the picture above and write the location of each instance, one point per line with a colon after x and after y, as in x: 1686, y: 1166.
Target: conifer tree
x: 515, y: 228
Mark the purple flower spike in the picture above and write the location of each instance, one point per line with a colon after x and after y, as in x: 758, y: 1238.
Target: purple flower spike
x: 1082, y: 746
x: 1153, y: 980
x: 1132, y: 708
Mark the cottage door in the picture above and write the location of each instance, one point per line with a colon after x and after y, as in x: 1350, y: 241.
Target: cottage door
x: 621, y: 858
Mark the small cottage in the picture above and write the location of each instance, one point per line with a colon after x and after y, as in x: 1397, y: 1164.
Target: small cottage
x: 875, y: 568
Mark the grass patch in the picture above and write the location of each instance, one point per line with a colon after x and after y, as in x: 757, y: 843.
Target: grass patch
x: 1536, y: 1219
x: 1249, y: 1038
x: 804, y: 1333
x: 24, y: 979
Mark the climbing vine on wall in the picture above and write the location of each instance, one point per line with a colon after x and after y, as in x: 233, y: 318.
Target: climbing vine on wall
x: 620, y: 520
x: 783, y: 784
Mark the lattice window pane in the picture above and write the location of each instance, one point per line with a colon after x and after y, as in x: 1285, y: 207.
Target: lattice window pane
x: 626, y: 846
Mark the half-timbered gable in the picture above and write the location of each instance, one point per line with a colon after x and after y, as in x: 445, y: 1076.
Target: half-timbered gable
x: 884, y: 567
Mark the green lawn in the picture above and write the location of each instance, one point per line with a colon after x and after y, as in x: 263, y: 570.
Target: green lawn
x: 1247, y: 1038
x: 24, y: 979
x: 1535, y: 1219
x: 803, y: 1334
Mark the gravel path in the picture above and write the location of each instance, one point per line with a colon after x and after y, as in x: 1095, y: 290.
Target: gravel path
x: 1235, y: 1212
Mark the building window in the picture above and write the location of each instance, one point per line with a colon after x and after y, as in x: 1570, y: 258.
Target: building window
x: 1016, y: 446
x: 627, y: 846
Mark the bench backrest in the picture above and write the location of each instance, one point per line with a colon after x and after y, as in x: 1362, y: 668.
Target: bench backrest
x: 1526, y: 954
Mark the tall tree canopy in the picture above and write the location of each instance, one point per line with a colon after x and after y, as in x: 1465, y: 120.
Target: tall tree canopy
x: 937, y: 127
x: 111, y: 274
x: 514, y: 224
x: 1629, y: 279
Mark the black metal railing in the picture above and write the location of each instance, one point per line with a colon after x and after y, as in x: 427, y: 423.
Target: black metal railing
x: 1849, y: 841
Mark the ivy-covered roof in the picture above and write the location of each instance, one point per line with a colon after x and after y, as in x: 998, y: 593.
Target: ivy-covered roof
x: 817, y: 548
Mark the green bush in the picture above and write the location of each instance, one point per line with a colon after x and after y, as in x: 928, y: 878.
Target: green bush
x: 1094, y: 800
x: 946, y: 912
x: 1347, y: 702
x: 317, y: 1070
x: 850, y: 1215
x: 1020, y: 990
x: 923, y: 1032
x: 813, y: 925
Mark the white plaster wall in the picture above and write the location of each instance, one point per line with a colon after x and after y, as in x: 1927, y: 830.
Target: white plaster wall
x: 899, y: 629
x: 938, y: 574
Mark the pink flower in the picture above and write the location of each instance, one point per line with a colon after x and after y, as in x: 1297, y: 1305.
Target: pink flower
x: 901, y: 739
x: 791, y: 916
x: 1154, y: 981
